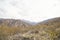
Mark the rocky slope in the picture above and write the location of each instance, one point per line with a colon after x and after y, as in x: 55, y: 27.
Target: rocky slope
x: 14, y: 23
x: 46, y: 30
x: 50, y: 29
x: 54, y: 23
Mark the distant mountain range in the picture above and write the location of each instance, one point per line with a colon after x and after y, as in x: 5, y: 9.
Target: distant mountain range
x: 25, y: 23
x: 15, y: 23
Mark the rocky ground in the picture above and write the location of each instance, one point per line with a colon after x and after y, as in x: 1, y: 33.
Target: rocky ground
x: 46, y: 30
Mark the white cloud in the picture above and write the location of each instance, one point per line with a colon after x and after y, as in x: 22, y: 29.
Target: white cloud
x: 33, y: 10
x: 45, y: 9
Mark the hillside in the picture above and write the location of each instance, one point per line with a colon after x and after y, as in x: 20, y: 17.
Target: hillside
x: 45, y: 30
x: 54, y: 22
x: 50, y: 29
x: 14, y: 23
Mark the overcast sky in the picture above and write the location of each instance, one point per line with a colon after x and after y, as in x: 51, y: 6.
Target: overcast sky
x: 32, y: 10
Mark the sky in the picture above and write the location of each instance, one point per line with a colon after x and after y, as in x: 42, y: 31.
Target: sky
x: 31, y: 10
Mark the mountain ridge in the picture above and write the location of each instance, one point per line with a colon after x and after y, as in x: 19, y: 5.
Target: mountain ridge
x: 14, y: 22
x: 45, y: 30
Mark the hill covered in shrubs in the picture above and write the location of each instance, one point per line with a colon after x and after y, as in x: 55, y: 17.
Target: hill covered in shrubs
x: 11, y: 29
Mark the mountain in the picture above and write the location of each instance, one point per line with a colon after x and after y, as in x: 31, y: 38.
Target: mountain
x: 45, y: 30
x: 54, y: 22
x: 14, y: 23
x: 49, y: 29
x: 32, y: 23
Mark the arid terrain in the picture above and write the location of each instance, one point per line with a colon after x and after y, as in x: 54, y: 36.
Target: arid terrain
x: 14, y: 29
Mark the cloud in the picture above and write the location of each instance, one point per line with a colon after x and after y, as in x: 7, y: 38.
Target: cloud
x: 33, y: 10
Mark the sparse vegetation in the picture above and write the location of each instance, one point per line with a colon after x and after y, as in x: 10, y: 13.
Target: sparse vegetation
x: 49, y: 30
